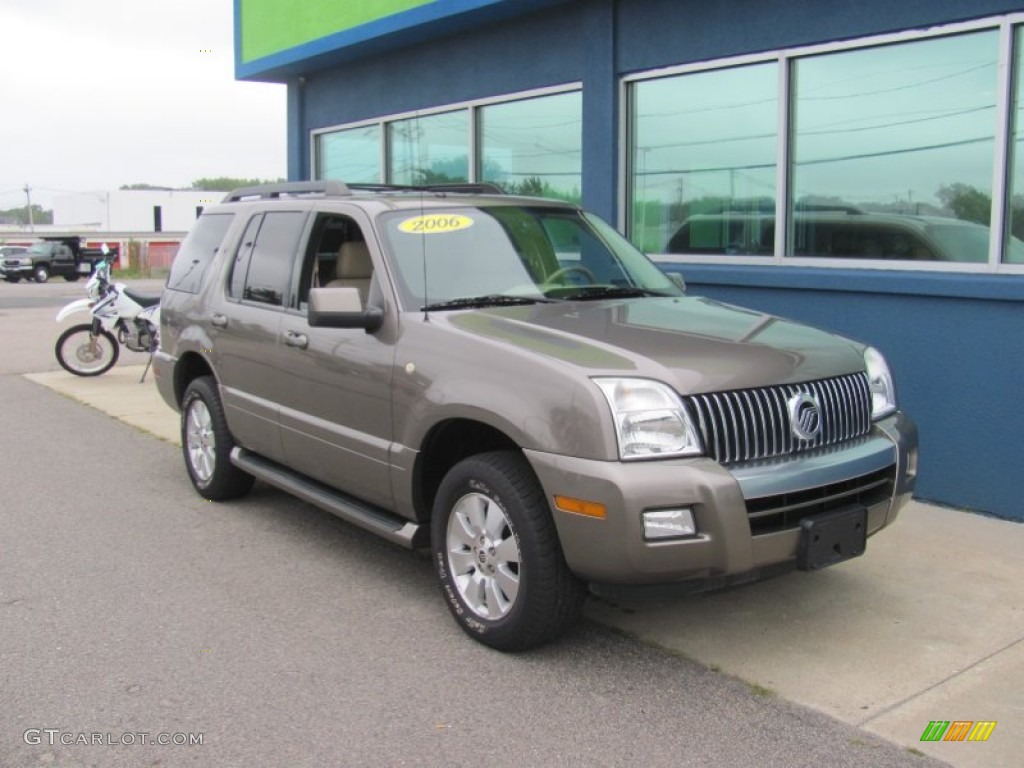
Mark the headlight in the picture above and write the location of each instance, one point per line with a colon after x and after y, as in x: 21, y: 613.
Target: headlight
x: 883, y: 393
x: 650, y: 421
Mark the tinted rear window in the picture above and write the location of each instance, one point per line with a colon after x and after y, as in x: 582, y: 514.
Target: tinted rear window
x: 197, y: 251
x: 263, y: 268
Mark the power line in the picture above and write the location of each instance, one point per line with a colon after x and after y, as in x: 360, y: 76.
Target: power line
x: 822, y: 160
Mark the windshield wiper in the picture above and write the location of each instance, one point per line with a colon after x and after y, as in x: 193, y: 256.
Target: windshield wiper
x: 488, y: 300
x: 611, y: 291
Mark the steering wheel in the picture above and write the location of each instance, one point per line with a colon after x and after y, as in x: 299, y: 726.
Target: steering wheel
x: 567, y: 270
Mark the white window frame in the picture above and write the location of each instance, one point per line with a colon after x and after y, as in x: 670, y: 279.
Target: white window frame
x: 785, y: 58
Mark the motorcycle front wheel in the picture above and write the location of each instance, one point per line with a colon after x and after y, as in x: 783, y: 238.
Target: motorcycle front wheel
x: 82, y: 353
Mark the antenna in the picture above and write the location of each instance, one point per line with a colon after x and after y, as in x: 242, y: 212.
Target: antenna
x: 423, y: 238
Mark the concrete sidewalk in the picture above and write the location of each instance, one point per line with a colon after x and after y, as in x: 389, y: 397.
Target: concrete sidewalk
x: 928, y: 625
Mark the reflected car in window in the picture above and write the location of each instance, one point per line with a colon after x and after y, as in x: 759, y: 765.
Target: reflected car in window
x: 848, y: 235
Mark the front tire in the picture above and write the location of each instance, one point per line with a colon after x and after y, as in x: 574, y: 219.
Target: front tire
x: 82, y: 353
x: 496, y: 550
x: 206, y: 444
x: 41, y: 274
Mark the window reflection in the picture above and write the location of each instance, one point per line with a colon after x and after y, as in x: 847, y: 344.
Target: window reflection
x: 534, y: 146
x: 351, y: 155
x: 891, y: 142
x: 703, y: 161
x: 429, y: 150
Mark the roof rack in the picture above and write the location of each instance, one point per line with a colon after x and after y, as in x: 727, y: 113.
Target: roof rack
x: 460, y: 187
x: 341, y: 189
x: 477, y: 188
x: 289, y: 188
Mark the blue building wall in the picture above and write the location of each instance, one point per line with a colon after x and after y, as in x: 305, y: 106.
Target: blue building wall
x: 955, y: 341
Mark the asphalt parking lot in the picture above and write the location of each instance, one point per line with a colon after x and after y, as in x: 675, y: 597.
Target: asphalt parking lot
x: 286, y: 636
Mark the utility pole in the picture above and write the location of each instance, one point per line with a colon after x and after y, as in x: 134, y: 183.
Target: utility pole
x: 28, y: 197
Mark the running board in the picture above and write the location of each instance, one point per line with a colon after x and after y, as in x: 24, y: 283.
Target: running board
x: 373, y: 519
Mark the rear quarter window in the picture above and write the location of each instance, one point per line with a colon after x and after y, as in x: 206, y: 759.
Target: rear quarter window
x: 197, y: 252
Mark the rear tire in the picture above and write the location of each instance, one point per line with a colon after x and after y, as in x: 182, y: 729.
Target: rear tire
x: 13, y: 278
x: 497, y: 553
x: 84, y: 354
x: 206, y: 444
x: 72, y: 277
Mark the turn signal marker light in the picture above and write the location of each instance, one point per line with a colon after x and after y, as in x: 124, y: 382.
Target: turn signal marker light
x: 581, y: 507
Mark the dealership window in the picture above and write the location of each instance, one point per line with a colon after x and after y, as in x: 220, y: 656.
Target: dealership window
x: 703, y: 159
x: 429, y: 150
x: 1014, y: 229
x: 529, y: 143
x: 352, y: 155
x: 533, y: 146
x: 900, y: 133
x: 879, y: 151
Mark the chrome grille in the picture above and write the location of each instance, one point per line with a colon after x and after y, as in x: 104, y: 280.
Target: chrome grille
x: 749, y: 424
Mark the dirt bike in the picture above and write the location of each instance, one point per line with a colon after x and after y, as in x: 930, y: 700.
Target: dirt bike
x: 119, y: 316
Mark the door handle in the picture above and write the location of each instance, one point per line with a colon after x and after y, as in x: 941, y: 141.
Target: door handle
x: 297, y: 340
x: 219, y: 321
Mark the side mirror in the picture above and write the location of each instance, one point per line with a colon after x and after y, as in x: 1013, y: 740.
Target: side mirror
x: 677, y: 278
x: 342, y: 308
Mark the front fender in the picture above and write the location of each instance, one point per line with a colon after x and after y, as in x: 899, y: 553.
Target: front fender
x: 79, y: 305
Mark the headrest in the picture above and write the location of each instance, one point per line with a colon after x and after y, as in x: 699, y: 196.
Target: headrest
x: 354, y: 261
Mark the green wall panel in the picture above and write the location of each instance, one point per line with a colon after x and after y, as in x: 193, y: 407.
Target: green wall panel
x: 271, y: 26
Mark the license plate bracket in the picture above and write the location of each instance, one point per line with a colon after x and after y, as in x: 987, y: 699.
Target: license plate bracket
x: 832, y: 537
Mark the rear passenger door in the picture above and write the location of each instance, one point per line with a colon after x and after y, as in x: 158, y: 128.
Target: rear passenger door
x: 245, y: 322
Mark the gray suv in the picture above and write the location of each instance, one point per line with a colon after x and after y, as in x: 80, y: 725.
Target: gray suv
x: 510, y: 383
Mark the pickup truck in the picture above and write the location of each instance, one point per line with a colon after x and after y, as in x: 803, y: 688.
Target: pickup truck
x: 64, y: 256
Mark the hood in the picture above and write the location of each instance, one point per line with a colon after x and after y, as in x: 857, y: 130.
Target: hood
x: 694, y: 344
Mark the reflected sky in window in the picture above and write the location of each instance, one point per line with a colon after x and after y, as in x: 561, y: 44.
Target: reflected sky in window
x: 352, y: 155
x: 702, y: 143
x: 429, y: 150
x: 894, y: 128
x: 534, y: 146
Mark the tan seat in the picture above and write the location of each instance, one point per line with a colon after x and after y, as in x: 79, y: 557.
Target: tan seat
x: 354, y: 268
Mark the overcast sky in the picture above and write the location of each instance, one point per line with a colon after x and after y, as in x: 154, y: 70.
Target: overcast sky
x: 99, y: 93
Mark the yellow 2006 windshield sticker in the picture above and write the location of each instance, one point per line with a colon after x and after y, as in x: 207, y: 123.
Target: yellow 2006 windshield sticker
x: 435, y: 224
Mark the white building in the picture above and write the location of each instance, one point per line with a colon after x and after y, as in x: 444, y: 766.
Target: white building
x: 132, y: 210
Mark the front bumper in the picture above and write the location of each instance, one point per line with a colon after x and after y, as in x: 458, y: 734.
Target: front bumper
x: 743, y: 525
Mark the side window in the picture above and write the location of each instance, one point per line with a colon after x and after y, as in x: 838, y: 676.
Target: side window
x: 197, y: 252
x: 267, y: 260
x: 337, y: 257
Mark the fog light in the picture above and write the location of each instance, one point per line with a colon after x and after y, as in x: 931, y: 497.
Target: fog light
x: 668, y: 523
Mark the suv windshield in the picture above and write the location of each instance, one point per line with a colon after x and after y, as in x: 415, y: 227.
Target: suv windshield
x: 477, y: 256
